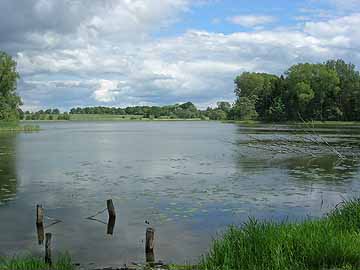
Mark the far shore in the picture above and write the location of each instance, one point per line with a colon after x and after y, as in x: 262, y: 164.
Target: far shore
x: 115, y: 118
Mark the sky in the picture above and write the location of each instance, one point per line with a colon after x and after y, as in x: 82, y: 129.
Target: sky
x: 121, y: 53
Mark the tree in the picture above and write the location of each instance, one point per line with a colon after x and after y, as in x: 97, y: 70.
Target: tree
x: 9, y: 101
x: 244, y: 108
x: 277, y: 111
x: 349, y: 96
x: 224, y: 106
x: 258, y: 87
x: 315, y: 86
x: 55, y: 111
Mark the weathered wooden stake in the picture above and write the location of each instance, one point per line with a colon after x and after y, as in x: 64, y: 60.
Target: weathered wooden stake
x: 112, y: 217
x: 149, y: 245
x: 40, y: 233
x: 111, y: 225
x: 40, y: 223
x: 111, y: 208
x: 39, y: 214
x: 48, y: 249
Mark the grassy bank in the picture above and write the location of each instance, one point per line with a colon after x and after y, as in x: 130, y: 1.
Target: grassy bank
x: 35, y: 263
x: 332, y: 242
x: 15, y: 126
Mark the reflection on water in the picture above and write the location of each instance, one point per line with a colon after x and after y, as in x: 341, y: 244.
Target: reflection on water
x: 188, y: 180
x: 8, y: 179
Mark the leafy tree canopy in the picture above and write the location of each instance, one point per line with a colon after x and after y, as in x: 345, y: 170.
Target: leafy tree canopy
x: 9, y: 100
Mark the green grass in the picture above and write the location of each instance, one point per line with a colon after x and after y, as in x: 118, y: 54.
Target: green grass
x: 332, y: 242
x: 15, y: 126
x: 35, y: 263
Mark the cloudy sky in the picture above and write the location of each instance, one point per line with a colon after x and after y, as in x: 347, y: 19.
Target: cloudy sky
x: 144, y: 52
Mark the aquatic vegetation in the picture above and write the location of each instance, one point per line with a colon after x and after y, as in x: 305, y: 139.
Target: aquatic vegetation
x: 35, y: 263
x: 332, y: 242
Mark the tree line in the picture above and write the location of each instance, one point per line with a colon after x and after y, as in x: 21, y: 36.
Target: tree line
x: 326, y: 92
x: 185, y: 111
x: 49, y: 114
x: 177, y: 111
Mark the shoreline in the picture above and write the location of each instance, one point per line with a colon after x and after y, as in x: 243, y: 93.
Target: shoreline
x: 20, y: 128
x: 240, y: 122
x: 267, y: 244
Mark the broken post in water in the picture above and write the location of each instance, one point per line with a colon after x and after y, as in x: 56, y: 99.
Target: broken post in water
x: 40, y: 223
x: 111, y: 225
x: 111, y: 208
x: 48, y: 249
x: 112, y: 217
x: 149, y: 245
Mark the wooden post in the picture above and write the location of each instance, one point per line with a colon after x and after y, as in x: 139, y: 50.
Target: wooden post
x: 39, y: 214
x: 149, y: 245
x: 111, y: 225
x: 112, y: 217
x: 40, y: 233
x: 40, y: 224
x: 48, y: 249
x: 111, y: 208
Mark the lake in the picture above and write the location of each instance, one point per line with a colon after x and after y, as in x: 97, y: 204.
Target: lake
x: 189, y: 180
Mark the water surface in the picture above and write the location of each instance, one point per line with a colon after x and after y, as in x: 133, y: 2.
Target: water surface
x: 189, y: 180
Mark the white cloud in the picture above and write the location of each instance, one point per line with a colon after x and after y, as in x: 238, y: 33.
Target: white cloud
x: 109, y: 56
x: 107, y: 91
x: 251, y: 20
x: 345, y: 27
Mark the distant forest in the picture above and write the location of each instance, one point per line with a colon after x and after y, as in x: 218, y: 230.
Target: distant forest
x: 178, y: 111
x: 325, y: 92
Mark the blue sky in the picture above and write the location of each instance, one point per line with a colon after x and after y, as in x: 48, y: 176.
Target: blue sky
x: 212, y: 16
x: 148, y: 52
